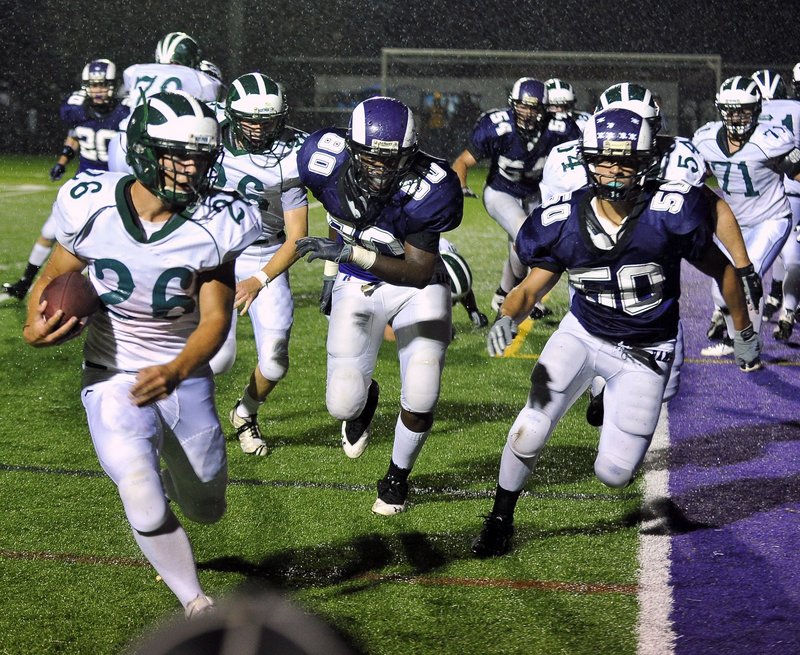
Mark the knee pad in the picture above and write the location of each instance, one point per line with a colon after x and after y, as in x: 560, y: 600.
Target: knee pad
x: 143, y: 499
x: 225, y: 358
x: 273, y: 357
x: 529, y: 433
x: 346, y: 393
x: 422, y: 381
x: 610, y: 473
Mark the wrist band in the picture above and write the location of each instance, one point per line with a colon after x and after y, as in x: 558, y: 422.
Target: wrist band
x: 330, y: 270
x: 68, y: 152
x: 363, y: 257
x: 262, y: 277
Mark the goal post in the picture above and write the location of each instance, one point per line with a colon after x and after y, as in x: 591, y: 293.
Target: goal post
x: 685, y: 84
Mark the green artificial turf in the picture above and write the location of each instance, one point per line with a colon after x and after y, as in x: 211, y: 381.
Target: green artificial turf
x: 299, y: 521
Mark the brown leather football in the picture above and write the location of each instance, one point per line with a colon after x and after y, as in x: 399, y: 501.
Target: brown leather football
x: 72, y: 292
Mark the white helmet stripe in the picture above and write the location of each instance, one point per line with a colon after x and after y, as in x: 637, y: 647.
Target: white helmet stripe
x: 167, y: 111
x: 359, y: 123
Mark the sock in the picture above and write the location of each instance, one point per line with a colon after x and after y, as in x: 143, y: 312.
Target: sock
x: 776, y: 289
x: 407, y: 445
x: 396, y: 472
x: 170, y: 553
x: 505, y: 502
x: 38, y: 256
x: 247, y: 406
x: 30, y: 272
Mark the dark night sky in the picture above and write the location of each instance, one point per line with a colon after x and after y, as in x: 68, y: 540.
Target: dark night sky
x: 48, y: 41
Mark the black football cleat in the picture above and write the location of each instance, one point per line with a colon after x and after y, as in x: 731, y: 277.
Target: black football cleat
x: 18, y: 289
x: 495, y: 537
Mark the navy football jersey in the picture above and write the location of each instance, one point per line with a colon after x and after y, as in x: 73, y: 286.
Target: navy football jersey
x: 630, y: 292
x: 92, y: 129
x: 515, y: 163
x: 429, y: 200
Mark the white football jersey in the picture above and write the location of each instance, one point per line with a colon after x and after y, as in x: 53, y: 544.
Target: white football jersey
x: 270, y: 180
x: 154, y: 78
x: 786, y: 113
x: 147, y: 281
x: 564, y: 171
x: 748, y: 180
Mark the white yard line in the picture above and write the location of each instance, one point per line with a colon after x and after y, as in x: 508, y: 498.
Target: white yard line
x: 15, y: 190
x: 654, y: 627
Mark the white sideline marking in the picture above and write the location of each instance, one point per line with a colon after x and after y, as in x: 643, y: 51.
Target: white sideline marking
x: 654, y: 627
x: 13, y: 190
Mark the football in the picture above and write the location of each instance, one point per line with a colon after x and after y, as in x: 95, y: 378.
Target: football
x: 73, y: 293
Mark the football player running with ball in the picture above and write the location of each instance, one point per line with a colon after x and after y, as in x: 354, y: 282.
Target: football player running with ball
x: 388, y: 202
x: 160, y: 252
x: 260, y: 162
x: 620, y: 243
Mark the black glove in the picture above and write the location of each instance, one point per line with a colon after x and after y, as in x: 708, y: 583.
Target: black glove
x: 478, y: 318
x: 747, y: 349
x: 56, y: 172
x: 500, y: 336
x: 468, y: 193
x: 320, y: 248
x: 751, y: 281
x: 326, y: 295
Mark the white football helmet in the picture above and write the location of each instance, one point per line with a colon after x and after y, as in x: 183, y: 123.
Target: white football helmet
x: 739, y: 104
x: 635, y: 98
x: 770, y: 84
x: 459, y: 274
x: 560, y: 97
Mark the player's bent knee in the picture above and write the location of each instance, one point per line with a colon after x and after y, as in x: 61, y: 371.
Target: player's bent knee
x: 612, y: 474
x: 529, y: 433
x: 422, y: 382
x: 143, y: 500
x: 273, y: 358
x: 346, y: 393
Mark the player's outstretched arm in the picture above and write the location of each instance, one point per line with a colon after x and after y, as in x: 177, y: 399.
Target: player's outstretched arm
x: 519, y: 302
x: 461, y: 165
x: 296, y: 227
x: 746, y: 342
x: 38, y: 331
x: 414, y: 270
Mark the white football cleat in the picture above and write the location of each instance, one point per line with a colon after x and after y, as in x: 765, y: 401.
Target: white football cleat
x: 354, y: 450
x: 360, y: 428
x: 721, y: 349
x: 250, y: 439
x: 199, y: 606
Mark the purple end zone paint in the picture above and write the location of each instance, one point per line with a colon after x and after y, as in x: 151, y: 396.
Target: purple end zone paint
x: 735, y: 488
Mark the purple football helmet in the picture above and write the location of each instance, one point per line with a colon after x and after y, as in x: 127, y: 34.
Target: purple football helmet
x: 528, y: 103
x: 618, y: 150
x: 99, y: 81
x: 382, y: 141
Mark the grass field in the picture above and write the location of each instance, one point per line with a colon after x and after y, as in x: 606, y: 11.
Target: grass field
x: 74, y: 582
